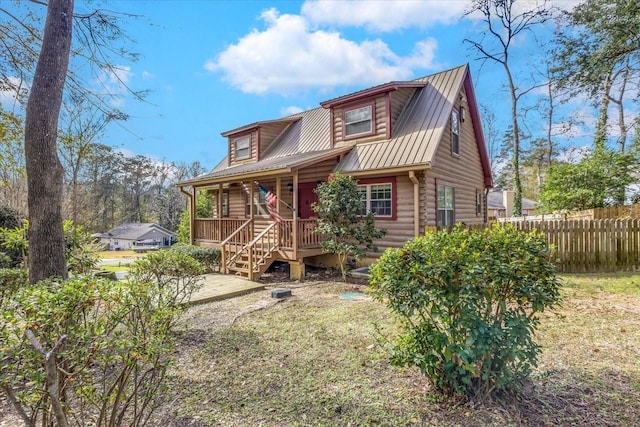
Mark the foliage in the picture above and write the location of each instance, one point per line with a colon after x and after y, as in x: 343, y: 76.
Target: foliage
x: 348, y: 234
x: 204, y: 204
x: 174, y: 275
x: 468, y: 304
x: 209, y: 258
x: 8, y: 217
x: 10, y: 281
x: 184, y: 228
x: 82, y: 252
x: 13, y: 178
x: 13, y: 242
x: 5, y: 260
x: 597, y: 55
x: 600, y: 179
x: 111, y: 343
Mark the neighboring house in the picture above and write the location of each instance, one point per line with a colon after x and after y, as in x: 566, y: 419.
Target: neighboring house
x: 500, y: 205
x: 137, y: 236
x: 416, y: 148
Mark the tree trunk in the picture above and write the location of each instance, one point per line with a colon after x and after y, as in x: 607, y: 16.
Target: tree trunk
x: 517, y: 184
x: 44, y: 170
x: 600, y: 136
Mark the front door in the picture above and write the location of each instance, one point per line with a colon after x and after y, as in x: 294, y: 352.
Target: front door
x: 306, y: 198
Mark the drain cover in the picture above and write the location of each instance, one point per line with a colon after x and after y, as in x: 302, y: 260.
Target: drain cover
x: 353, y: 296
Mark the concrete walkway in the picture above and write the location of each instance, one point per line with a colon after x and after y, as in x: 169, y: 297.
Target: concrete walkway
x: 221, y: 286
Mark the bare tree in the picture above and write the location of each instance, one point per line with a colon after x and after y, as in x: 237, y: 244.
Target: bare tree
x: 504, y: 23
x: 44, y: 170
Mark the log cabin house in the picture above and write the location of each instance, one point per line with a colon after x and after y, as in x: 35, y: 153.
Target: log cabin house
x: 416, y: 148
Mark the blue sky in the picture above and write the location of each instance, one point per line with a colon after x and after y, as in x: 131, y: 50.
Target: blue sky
x: 212, y: 65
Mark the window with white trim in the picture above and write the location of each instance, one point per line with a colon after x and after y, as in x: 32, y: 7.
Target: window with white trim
x: 446, y: 206
x: 455, y: 132
x: 225, y: 203
x: 358, y: 121
x: 243, y: 147
x: 377, y: 199
x: 259, y: 204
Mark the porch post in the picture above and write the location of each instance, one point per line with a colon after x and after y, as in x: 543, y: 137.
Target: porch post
x: 220, y: 213
x: 278, y: 184
x: 295, y: 215
x: 192, y: 216
x: 251, y: 207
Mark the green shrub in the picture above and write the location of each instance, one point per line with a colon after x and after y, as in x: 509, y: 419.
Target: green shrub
x: 5, y: 260
x: 82, y: 252
x: 11, y: 279
x: 467, y: 302
x: 210, y: 258
x: 346, y: 233
x: 104, y: 345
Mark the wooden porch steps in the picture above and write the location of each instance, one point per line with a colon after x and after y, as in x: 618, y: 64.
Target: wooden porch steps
x: 253, y: 258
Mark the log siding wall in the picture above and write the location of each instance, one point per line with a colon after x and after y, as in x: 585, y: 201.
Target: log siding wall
x: 253, y: 148
x: 462, y: 172
x: 380, y: 123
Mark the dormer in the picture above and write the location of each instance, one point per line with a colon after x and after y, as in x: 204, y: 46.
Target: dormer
x: 247, y: 144
x: 370, y: 114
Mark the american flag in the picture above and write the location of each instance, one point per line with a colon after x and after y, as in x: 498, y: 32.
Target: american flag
x: 272, y: 203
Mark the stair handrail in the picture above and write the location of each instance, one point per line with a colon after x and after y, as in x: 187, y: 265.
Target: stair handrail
x: 249, y: 246
x: 226, y: 241
x: 239, y: 229
x: 270, y: 249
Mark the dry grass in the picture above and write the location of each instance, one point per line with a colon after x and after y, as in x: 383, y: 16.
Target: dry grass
x: 314, y: 359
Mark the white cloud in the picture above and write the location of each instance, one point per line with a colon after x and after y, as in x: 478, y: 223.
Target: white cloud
x: 9, y: 90
x: 115, y: 83
x: 146, y: 75
x: 288, y: 57
x: 384, y: 15
x: 387, y: 16
x: 288, y: 111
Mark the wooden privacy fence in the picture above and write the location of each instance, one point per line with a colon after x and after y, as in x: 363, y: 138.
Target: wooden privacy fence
x: 596, y: 245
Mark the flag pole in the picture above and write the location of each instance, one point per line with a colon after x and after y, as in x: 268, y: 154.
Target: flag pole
x: 280, y: 200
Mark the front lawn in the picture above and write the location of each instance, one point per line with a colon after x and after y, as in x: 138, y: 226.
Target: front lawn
x: 314, y: 359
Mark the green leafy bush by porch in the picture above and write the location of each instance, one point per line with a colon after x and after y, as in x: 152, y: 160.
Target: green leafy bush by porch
x: 210, y: 258
x: 348, y: 234
x: 468, y: 302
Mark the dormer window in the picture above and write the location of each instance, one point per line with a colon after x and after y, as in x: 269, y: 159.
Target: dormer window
x: 243, y: 147
x: 358, y: 121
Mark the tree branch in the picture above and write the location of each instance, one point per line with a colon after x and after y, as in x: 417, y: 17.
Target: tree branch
x: 51, y: 374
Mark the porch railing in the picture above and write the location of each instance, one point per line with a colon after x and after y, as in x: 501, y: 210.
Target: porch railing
x: 216, y: 229
x: 307, y: 238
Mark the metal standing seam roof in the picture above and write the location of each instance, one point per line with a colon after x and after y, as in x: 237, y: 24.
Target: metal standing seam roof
x: 419, y: 129
x: 284, y: 163
x: 307, y: 138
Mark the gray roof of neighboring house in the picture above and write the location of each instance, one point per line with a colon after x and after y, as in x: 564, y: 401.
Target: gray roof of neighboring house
x: 419, y: 130
x: 495, y: 201
x: 133, y: 230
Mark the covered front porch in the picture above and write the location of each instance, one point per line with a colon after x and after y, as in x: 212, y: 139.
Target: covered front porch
x: 255, y: 223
